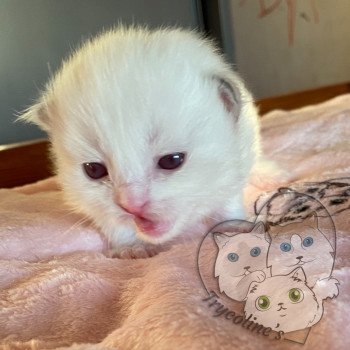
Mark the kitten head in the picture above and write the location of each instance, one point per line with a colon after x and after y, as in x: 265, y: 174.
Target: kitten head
x: 300, y: 244
x: 283, y: 303
x: 147, y: 133
x: 242, y: 253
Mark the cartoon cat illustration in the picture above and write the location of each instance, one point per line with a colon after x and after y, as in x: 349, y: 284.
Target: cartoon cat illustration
x: 286, y: 303
x: 300, y: 244
x: 240, y: 261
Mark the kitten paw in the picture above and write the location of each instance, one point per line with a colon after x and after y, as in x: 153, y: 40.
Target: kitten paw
x: 326, y: 288
x: 258, y: 276
x: 138, y: 251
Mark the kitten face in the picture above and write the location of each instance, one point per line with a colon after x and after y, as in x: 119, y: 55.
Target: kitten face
x: 283, y: 303
x: 131, y: 97
x: 300, y: 245
x: 241, y: 254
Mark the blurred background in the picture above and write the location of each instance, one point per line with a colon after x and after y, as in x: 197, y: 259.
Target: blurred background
x: 278, y: 46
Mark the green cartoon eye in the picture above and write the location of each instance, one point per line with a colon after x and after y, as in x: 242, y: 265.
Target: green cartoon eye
x: 296, y: 295
x: 262, y: 303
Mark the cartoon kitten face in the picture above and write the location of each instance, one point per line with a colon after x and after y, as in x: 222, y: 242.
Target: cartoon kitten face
x: 283, y: 303
x: 240, y: 261
x: 242, y: 253
x: 300, y: 245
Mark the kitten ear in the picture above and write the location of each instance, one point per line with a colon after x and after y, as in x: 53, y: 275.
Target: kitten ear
x: 259, y: 228
x: 220, y: 239
x: 230, y: 96
x: 311, y: 220
x: 37, y: 114
x: 298, y: 274
x: 273, y: 231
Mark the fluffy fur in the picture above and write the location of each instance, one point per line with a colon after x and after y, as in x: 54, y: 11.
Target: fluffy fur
x: 131, y: 96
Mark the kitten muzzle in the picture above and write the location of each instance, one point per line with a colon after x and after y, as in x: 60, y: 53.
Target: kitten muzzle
x: 151, y: 228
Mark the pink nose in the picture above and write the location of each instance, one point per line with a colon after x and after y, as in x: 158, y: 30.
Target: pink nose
x: 132, y: 199
x: 133, y: 209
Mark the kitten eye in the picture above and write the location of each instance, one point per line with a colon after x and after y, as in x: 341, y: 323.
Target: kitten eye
x: 233, y: 257
x: 285, y: 247
x: 95, y: 170
x: 255, y: 252
x: 296, y: 295
x: 263, y: 303
x: 308, y: 241
x: 171, y: 161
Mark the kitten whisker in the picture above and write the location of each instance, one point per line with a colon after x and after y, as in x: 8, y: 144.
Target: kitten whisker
x: 76, y: 225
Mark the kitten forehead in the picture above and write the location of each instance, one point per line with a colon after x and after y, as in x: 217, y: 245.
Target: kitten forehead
x: 138, y: 93
x: 141, y: 64
x: 300, y: 228
x: 240, y: 241
x: 282, y: 282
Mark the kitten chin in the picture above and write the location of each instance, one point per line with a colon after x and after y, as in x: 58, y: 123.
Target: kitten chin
x: 150, y: 124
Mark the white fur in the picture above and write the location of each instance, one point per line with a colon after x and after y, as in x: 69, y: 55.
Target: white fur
x: 133, y: 95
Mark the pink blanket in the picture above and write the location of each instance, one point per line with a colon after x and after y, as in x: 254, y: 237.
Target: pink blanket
x: 58, y: 288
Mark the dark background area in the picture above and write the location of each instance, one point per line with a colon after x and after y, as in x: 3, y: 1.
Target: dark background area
x: 35, y: 35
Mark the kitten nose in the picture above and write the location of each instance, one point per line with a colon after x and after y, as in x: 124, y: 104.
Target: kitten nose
x: 133, y: 209
x: 134, y: 205
x: 132, y: 199
x: 299, y: 257
x: 280, y: 304
x: 247, y: 267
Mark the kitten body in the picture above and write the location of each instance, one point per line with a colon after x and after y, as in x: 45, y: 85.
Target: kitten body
x: 241, y: 260
x: 300, y: 244
x: 131, y: 96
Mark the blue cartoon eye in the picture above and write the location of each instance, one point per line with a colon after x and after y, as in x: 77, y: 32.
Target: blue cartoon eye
x: 233, y: 257
x: 308, y: 241
x: 285, y: 247
x: 255, y: 252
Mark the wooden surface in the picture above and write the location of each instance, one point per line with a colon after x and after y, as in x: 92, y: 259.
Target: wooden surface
x: 303, y: 98
x: 28, y: 162
x: 23, y: 163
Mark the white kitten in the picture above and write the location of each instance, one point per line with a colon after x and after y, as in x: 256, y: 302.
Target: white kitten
x: 134, y: 102
x: 240, y: 261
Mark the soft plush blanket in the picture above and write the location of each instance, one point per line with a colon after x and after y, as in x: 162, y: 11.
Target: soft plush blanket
x: 59, y: 288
